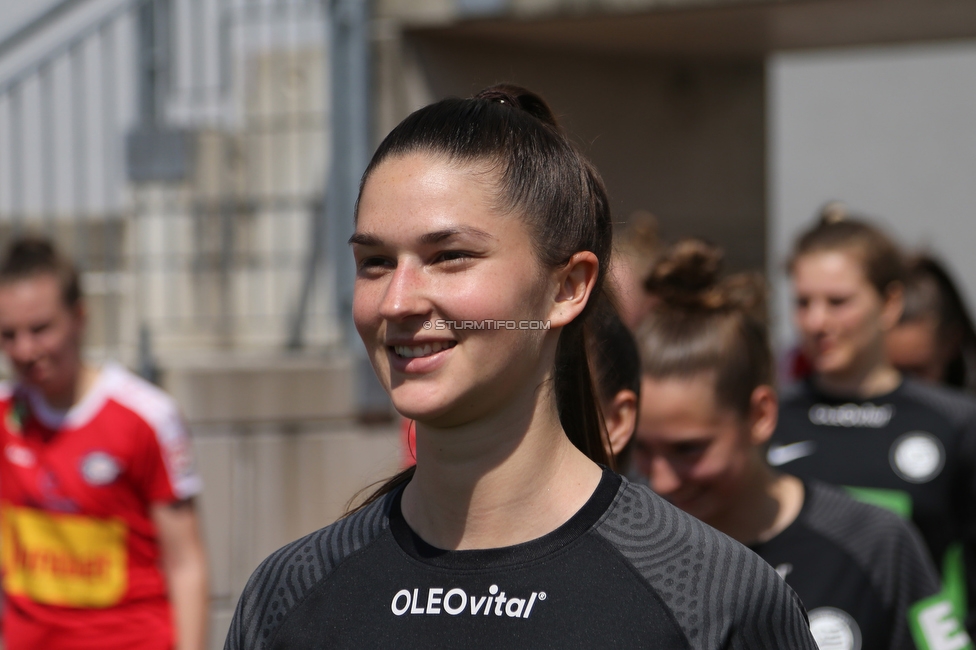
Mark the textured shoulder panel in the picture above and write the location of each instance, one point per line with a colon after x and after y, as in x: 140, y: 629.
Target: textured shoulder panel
x: 289, y: 574
x: 722, y: 594
x: 956, y: 406
x: 889, y: 551
x: 887, y: 548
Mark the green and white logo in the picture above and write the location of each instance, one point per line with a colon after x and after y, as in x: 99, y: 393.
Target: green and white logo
x: 935, y: 625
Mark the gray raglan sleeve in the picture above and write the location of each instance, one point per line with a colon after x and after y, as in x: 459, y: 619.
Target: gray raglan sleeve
x: 766, y: 611
x: 289, y: 574
x: 722, y: 595
x: 960, y: 409
x: 916, y: 580
x: 888, y: 549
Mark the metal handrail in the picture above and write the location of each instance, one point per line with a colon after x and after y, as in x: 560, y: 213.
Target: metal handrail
x: 64, y: 46
x: 24, y: 32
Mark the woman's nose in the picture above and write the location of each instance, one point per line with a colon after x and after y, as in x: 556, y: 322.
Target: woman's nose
x: 406, y: 294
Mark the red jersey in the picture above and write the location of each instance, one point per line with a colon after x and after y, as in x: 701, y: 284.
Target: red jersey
x: 80, y: 557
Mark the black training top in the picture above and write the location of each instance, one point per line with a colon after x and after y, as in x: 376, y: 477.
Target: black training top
x: 912, y: 451
x: 862, y: 573
x: 626, y: 571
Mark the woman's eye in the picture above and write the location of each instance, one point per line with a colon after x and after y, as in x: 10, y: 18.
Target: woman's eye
x: 690, y: 449
x: 837, y: 302
x: 374, y: 263
x: 452, y: 256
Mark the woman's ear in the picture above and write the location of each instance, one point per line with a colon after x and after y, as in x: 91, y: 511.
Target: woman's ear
x: 894, y: 305
x: 79, y: 314
x: 574, y: 283
x: 763, y: 414
x: 620, y: 417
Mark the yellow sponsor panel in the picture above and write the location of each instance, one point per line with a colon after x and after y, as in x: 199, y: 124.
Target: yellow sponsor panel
x: 63, y: 559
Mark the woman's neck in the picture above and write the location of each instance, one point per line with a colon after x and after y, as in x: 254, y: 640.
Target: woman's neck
x: 767, y: 503
x: 500, y: 481
x: 872, y: 376
x: 74, y: 390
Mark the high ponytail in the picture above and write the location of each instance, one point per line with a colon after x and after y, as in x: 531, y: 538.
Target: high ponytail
x: 544, y: 180
x: 576, y: 395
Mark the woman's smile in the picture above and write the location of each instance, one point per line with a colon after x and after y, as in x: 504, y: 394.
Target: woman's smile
x: 419, y: 356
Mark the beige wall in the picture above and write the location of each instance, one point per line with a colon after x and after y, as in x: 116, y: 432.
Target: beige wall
x: 280, y: 457
x: 266, y: 486
x: 684, y: 140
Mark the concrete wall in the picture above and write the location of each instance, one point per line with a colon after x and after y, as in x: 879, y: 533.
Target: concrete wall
x: 279, y: 455
x: 267, y: 486
x: 890, y: 131
x: 684, y: 140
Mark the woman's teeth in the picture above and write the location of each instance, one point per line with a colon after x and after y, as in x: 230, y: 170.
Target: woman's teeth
x: 413, y: 351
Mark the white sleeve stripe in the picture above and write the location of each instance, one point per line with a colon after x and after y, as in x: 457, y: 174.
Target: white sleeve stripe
x: 159, y: 411
x: 188, y: 486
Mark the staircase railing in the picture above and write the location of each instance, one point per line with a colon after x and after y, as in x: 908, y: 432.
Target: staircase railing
x: 178, y: 150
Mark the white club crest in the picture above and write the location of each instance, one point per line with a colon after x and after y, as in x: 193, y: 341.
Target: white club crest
x: 99, y: 468
x: 834, y: 629
x: 917, y: 457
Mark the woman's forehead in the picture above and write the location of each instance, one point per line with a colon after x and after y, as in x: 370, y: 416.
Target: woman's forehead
x: 425, y: 194
x: 831, y: 266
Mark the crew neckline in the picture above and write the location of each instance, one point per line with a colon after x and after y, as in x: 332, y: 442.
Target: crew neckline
x: 853, y: 399
x: 80, y: 413
x: 786, y: 533
x: 584, y: 519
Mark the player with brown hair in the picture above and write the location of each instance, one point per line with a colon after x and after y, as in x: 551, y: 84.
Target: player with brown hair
x: 98, y: 531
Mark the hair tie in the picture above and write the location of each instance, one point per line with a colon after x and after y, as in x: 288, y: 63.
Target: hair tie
x: 833, y: 212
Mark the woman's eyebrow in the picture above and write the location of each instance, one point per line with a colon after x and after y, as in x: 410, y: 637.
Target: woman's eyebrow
x: 364, y: 239
x: 438, y: 236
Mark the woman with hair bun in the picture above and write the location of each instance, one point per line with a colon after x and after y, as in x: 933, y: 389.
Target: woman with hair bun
x: 857, y: 422
x: 481, y: 241
x: 707, y: 411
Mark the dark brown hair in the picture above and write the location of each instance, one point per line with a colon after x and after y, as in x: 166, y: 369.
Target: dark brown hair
x: 546, y: 181
x: 701, y: 324
x: 835, y: 230
x: 615, y: 358
x: 29, y: 257
x: 930, y: 292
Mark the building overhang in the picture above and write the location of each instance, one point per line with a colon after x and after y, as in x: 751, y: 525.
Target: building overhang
x: 717, y: 29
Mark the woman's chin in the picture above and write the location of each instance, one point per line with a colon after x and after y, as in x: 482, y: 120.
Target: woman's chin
x: 422, y: 408
x: 436, y: 416
x: 830, y: 366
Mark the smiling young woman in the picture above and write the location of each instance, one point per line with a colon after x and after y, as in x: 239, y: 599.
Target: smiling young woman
x: 707, y: 411
x: 508, y: 531
x: 856, y: 421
